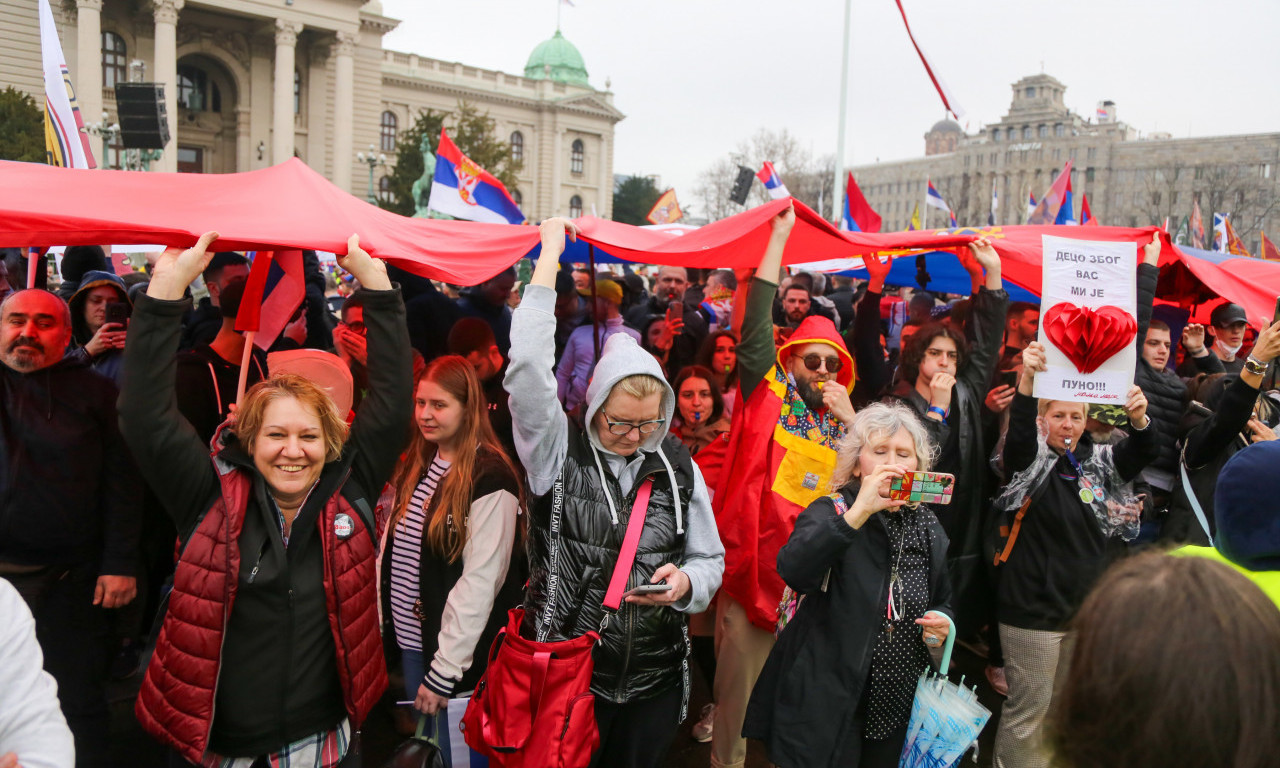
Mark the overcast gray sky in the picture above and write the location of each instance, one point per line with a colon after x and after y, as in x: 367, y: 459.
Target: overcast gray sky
x: 695, y: 77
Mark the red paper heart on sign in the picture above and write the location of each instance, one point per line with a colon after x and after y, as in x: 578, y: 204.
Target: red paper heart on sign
x: 1088, y: 337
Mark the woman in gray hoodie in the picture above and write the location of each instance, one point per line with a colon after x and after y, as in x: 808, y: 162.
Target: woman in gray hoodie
x: 587, y: 477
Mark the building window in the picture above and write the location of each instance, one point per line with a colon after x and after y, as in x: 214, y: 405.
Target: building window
x: 1088, y: 175
x: 519, y: 198
x: 517, y: 146
x: 1199, y: 172
x: 1156, y: 197
x: 196, y: 92
x: 979, y: 161
x: 1119, y: 200
x: 577, y: 157
x: 384, y: 189
x: 297, y: 92
x: 115, y: 153
x: 1057, y: 154
x: 1059, y: 130
x: 1264, y: 170
x: 114, y: 60
x: 1043, y: 131
x: 1031, y: 92
x: 388, y: 131
x: 1026, y: 131
x: 575, y: 205
x: 1174, y: 197
x: 995, y: 134
x: 1091, y: 153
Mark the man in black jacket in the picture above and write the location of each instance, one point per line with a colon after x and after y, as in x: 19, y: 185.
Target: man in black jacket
x: 690, y: 327
x: 201, y: 324
x: 69, y: 505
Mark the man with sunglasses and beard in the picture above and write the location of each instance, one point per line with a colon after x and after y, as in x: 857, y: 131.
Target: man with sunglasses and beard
x: 793, y: 409
x: 69, y: 505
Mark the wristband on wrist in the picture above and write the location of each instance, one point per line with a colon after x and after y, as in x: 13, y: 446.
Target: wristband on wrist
x: 940, y: 411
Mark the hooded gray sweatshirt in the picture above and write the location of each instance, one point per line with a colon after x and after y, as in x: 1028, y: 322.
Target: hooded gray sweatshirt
x: 539, y: 425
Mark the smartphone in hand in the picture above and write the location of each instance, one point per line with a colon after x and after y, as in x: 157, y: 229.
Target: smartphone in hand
x: 118, y: 312
x: 648, y: 589
x: 923, y: 487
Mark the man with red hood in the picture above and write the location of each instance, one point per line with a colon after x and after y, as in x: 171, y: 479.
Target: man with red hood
x: 793, y: 407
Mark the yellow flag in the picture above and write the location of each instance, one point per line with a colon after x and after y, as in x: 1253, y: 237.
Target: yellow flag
x: 666, y: 210
x: 914, y: 224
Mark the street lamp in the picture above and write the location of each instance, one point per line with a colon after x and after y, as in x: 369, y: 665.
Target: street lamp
x: 107, y: 130
x: 373, y: 161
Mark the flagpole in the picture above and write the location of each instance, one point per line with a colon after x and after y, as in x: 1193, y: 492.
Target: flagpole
x: 836, y: 197
x: 245, y: 359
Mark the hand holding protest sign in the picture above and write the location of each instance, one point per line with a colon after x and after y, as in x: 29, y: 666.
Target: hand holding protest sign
x: 1089, y: 296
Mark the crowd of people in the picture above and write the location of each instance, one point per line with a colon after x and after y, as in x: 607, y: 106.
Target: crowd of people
x: 411, y: 463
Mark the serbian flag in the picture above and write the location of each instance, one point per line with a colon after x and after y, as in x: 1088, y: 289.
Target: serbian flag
x: 65, y: 141
x: 1046, y: 212
x: 274, y: 291
x: 934, y: 199
x: 666, y: 210
x: 1086, y: 215
x: 951, y: 216
x: 944, y: 92
x: 772, y: 182
x: 464, y: 190
x: 858, y: 216
x: 1031, y: 204
x: 1066, y: 211
x: 1219, y: 233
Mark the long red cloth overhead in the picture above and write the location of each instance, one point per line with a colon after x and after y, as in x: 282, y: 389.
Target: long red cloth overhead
x: 278, y: 208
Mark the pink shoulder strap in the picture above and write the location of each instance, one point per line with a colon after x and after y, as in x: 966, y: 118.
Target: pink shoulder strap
x: 630, y: 543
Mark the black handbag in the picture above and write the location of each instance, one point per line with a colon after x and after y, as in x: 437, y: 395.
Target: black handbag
x: 419, y: 751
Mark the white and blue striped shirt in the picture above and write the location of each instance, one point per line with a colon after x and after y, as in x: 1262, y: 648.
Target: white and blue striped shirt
x: 406, y: 552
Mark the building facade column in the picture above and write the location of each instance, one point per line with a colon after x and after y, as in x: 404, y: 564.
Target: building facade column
x: 282, y: 131
x: 89, y: 63
x: 317, y: 96
x: 557, y: 162
x: 244, y: 148
x: 166, y: 73
x: 605, y: 197
x: 344, y: 91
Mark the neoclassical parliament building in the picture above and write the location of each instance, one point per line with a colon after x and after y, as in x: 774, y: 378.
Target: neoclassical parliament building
x: 250, y: 83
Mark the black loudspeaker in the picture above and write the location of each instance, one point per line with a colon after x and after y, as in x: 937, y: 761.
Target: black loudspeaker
x: 144, y: 123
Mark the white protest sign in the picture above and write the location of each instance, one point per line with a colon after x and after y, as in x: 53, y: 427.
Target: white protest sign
x: 1088, y: 320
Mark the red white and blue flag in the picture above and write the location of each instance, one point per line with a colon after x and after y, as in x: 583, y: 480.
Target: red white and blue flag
x: 772, y: 182
x: 948, y: 100
x: 1086, y: 215
x: 951, y: 215
x: 273, y: 293
x: 464, y: 190
x: 1031, y: 204
x: 858, y: 216
x: 1066, y: 211
x: 1046, y: 211
x: 932, y: 198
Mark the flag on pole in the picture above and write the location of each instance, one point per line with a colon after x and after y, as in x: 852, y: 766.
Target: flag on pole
x: 1197, y: 225
x: 914, y: 224
x: 1235, y: 246
x: 772, y: 182
x: 1066, y: 211
x: 666, y: 210
x: 948, y: 100
x: 1031, y: 204
x: 858, y: 216
x: 1086, y: 215
x: 464, y: 190
x: 1219, y: 233
x: 995, y: 205
x: 65, y: 141
x: 1046, y: 211
x: 933, y: 199
x: 1268, y: 250
x: 274, y: 291
x: 951, y: 216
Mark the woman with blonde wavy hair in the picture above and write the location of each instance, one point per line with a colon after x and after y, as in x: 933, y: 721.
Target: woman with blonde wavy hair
x: 451, y: 564
x: 837, y: 688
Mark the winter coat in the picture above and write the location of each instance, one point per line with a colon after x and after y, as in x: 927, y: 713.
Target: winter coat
x: 295, y: 629
x: 804, y: 701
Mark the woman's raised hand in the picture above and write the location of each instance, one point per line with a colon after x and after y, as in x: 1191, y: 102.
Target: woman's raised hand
x: 873, y: 495
x: 371, y: 272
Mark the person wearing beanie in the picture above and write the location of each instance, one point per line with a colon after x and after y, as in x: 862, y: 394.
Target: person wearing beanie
x: 77, y: 261
x: 580, y: 351
x: 1248, y: 532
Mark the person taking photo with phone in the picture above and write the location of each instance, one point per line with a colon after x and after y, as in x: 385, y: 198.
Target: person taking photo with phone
x: 837, y: 688
x: 100, y: 310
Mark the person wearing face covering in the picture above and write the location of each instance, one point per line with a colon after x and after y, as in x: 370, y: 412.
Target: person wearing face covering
x: 595, y: 470
x: 1075, y: 504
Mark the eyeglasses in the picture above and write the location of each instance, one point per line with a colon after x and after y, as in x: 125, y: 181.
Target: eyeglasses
x: 814, y: 362
x: 621, y: 428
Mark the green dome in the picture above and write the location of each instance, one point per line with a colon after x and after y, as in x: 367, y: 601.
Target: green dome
x: 563, y: 59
